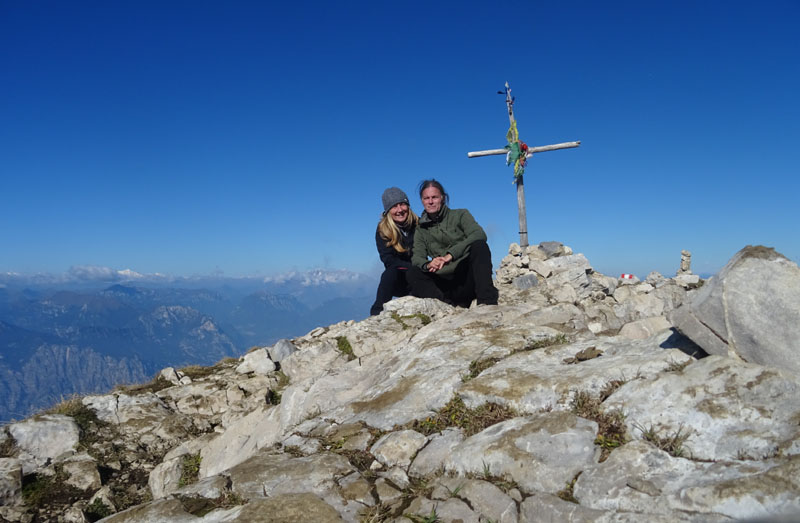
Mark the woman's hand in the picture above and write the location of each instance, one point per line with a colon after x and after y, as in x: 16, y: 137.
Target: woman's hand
x: 439, y: 262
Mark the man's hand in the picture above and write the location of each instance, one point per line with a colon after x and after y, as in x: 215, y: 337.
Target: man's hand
x: 439, y: 262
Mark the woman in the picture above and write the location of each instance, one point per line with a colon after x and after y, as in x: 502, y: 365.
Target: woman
x: 451, y: 260
x: 394, y: 239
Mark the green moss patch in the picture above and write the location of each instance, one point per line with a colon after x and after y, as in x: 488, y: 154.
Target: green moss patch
x: 190, y: 469
x: 343, y: 345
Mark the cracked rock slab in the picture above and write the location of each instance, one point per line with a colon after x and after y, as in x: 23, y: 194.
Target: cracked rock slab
x: 729, y: 409
x: 638, y: 477
x: 540, y: 452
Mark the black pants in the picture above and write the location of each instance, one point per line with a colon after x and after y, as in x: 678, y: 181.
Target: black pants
x: 393, y: 283
x: 472, y: 279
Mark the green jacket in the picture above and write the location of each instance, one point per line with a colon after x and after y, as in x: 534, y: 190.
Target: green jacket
x: 452, y: 232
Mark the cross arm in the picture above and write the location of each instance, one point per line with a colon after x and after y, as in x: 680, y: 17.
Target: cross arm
x: 531, y: 150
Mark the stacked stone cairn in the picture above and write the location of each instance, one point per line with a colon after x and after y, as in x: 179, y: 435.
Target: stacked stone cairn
x: 580, y: 397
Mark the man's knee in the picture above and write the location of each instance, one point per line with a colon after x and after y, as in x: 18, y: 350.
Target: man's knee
x: 479, y: 248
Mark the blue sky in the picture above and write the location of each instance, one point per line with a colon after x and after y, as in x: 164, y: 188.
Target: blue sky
x: 251, y: 138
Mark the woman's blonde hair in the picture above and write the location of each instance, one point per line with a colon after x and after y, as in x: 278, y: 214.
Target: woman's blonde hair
x: 390, y: 232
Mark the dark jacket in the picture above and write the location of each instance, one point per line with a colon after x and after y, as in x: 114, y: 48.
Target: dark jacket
x: 452, y: 231
x: 389, y: 256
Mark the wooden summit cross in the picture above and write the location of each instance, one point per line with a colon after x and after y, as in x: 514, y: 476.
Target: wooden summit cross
x: 523, y: 152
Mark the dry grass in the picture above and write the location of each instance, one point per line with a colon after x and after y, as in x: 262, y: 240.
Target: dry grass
x: 672, y: 443
x: 676, y: 366
x: 456, y: 414
x: 8, y: 447
x: 560, y: 339
x: 567, y: 493
x: 84, y: 417
x: 478, y: 366
x: 611, y: 431
x: 198, y: 371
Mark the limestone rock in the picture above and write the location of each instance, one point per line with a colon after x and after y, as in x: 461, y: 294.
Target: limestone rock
x: 268, y: 475
x: 644, y: 328
x: 306, y: 451
x: 288, y: 507
x: 10, y: 481
x: 432, y: 457
x: 312, y: 361
x: 687, y: 281
x: 526, y: 281
x: 213, y: 487
x: 160, y: 511
x: 397, y: 448
x: 728, y: 409
x: 552, y: 249
x: 82, y: 472
x: 489, y: 501
x: 282, y: 349
x: 540, y: 452
x: 640, y: 478
x: 539, y: 379
x: 749, y: 310
x: 165, y: 478
x: 256, y: 361
x: 243, y: 439
x: 43, y: 438
x: 452, y: 509
x: 355, y: 487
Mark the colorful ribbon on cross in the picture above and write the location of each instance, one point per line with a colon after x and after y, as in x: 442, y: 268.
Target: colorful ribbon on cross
x: 517, y: 151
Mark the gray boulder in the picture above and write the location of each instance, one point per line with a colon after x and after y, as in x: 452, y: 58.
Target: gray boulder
x: 44, y: 438
x: 750, y: 310
x: 10, y: 481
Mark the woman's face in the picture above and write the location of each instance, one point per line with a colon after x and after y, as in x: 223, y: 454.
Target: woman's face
x: 432, y: 200
x: 399, y: 213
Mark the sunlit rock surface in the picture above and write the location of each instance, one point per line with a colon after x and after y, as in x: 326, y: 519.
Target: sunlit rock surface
x: 574, y: 399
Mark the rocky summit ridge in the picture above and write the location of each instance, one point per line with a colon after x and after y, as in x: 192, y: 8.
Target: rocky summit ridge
x: 580, y: 397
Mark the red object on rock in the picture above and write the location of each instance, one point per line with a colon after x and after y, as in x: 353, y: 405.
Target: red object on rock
x: 626, y: 276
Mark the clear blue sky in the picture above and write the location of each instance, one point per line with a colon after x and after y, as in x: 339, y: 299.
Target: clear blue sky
x: 256, y: 137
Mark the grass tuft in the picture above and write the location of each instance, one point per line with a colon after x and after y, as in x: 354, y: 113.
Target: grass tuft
x: 376, y: 514
x: 283, y: 379
x: 611, y: 431
x: 274, y: 397
x: 672, y: 444
x: 430, y: 518
x: 456, y: 414
x: 8, y: 447
x: 343, y: 344
x: 97, y: 510
x: 40, y: 490
x: 567, y: 493
x: 560, y: 339
x: 190, y: 469
x: 197, y: 371
x: 610, y: 388
x: 423, y: 318
x: 478, y: 366
x: 676, y: 366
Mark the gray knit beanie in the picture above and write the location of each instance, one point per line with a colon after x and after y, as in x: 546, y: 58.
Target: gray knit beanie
x: 391, y: 197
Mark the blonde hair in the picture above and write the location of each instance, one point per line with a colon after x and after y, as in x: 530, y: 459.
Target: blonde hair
x: 390, y: 232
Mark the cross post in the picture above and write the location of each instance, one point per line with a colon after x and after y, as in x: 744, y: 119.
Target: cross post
x: 526, y: 152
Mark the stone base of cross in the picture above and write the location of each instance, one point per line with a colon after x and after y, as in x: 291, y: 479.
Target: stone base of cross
x: 523, y: 219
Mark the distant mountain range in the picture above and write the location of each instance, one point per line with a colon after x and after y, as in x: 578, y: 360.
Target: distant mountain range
x: 91, y: 329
